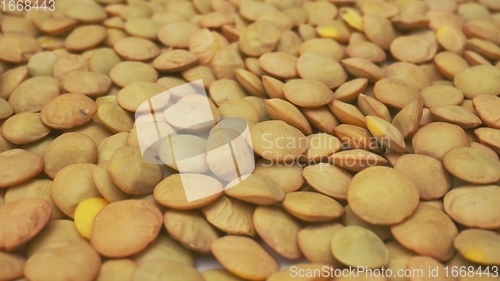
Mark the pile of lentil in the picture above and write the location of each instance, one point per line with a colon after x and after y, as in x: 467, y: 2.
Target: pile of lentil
x: 398, y: 101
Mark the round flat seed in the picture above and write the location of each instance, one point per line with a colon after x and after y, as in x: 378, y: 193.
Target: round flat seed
x: 126, y: 227
x: 328, y: 71
x: 133, y: 48
x: 41, y: 64
x: 10, y: 79
x: 486, y: 108
x: 279, y: 64
x: 117, y: 269
x: 23, y: 98
x: 441, y: 95
x: 407, y: 120
x: 480, y: 246
x: 252, y: 83
x: 136, y: 93
x: 142, y: 27
x: 278, y: 230
x: 279, y: 109
x: 378, y: 29
x: 412, y: 49
x: 175, y: 60
x: 312, y: 206
x: 328, y: 179
x: 432, y: 180
x: 395, y: 93
x: 410, y: 73
x: 382, y: 195
x: 258, y: 189
x: 386, y: 133
x: 486, y: 77
x: 103, y: 60
x: 24, y: 127
x: 29, y: 215
x: 191, y: 229
x: 321, y: 118
x: 231, y: 216
x: 240, y: 108
x: 288, y: 177
x: 224, y: 90
x: 455, y: 114
x: 113, y: 116
x: 68, y: 111
x: 54, y: 232
x: 67, y: 149
x: 366, y: 50
x: 85, y: 37
x: 350, y: 90
x: 472, y: 165
x: 315, y: 242
x: 171, y: 191
x: 273, y: 87
x: 164, y: 248
x: 356, y: 246
x: 450, y: 64
x: 131, y: 173
x: 347, y: 113
x: 356, y: 160
x: 362, y: 68
x: 276, y: 140
x: 91, y: 84
x: 18, y: 48
x: 259, y: 38
x: 324, y: 46
x: 451, y: 38
x: 424, y: 141
x: 251, y: 10
x: 318, y: 93
x: 40, y: 266
x: 435, y: 234
x: 320, y: 12
x: 127, y: 72
x: 18, y: 166
x: 86, y: 12
x: 177, y: 34
x: 58, y: 26
x: 244, y: 257
x: 475, y: 207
